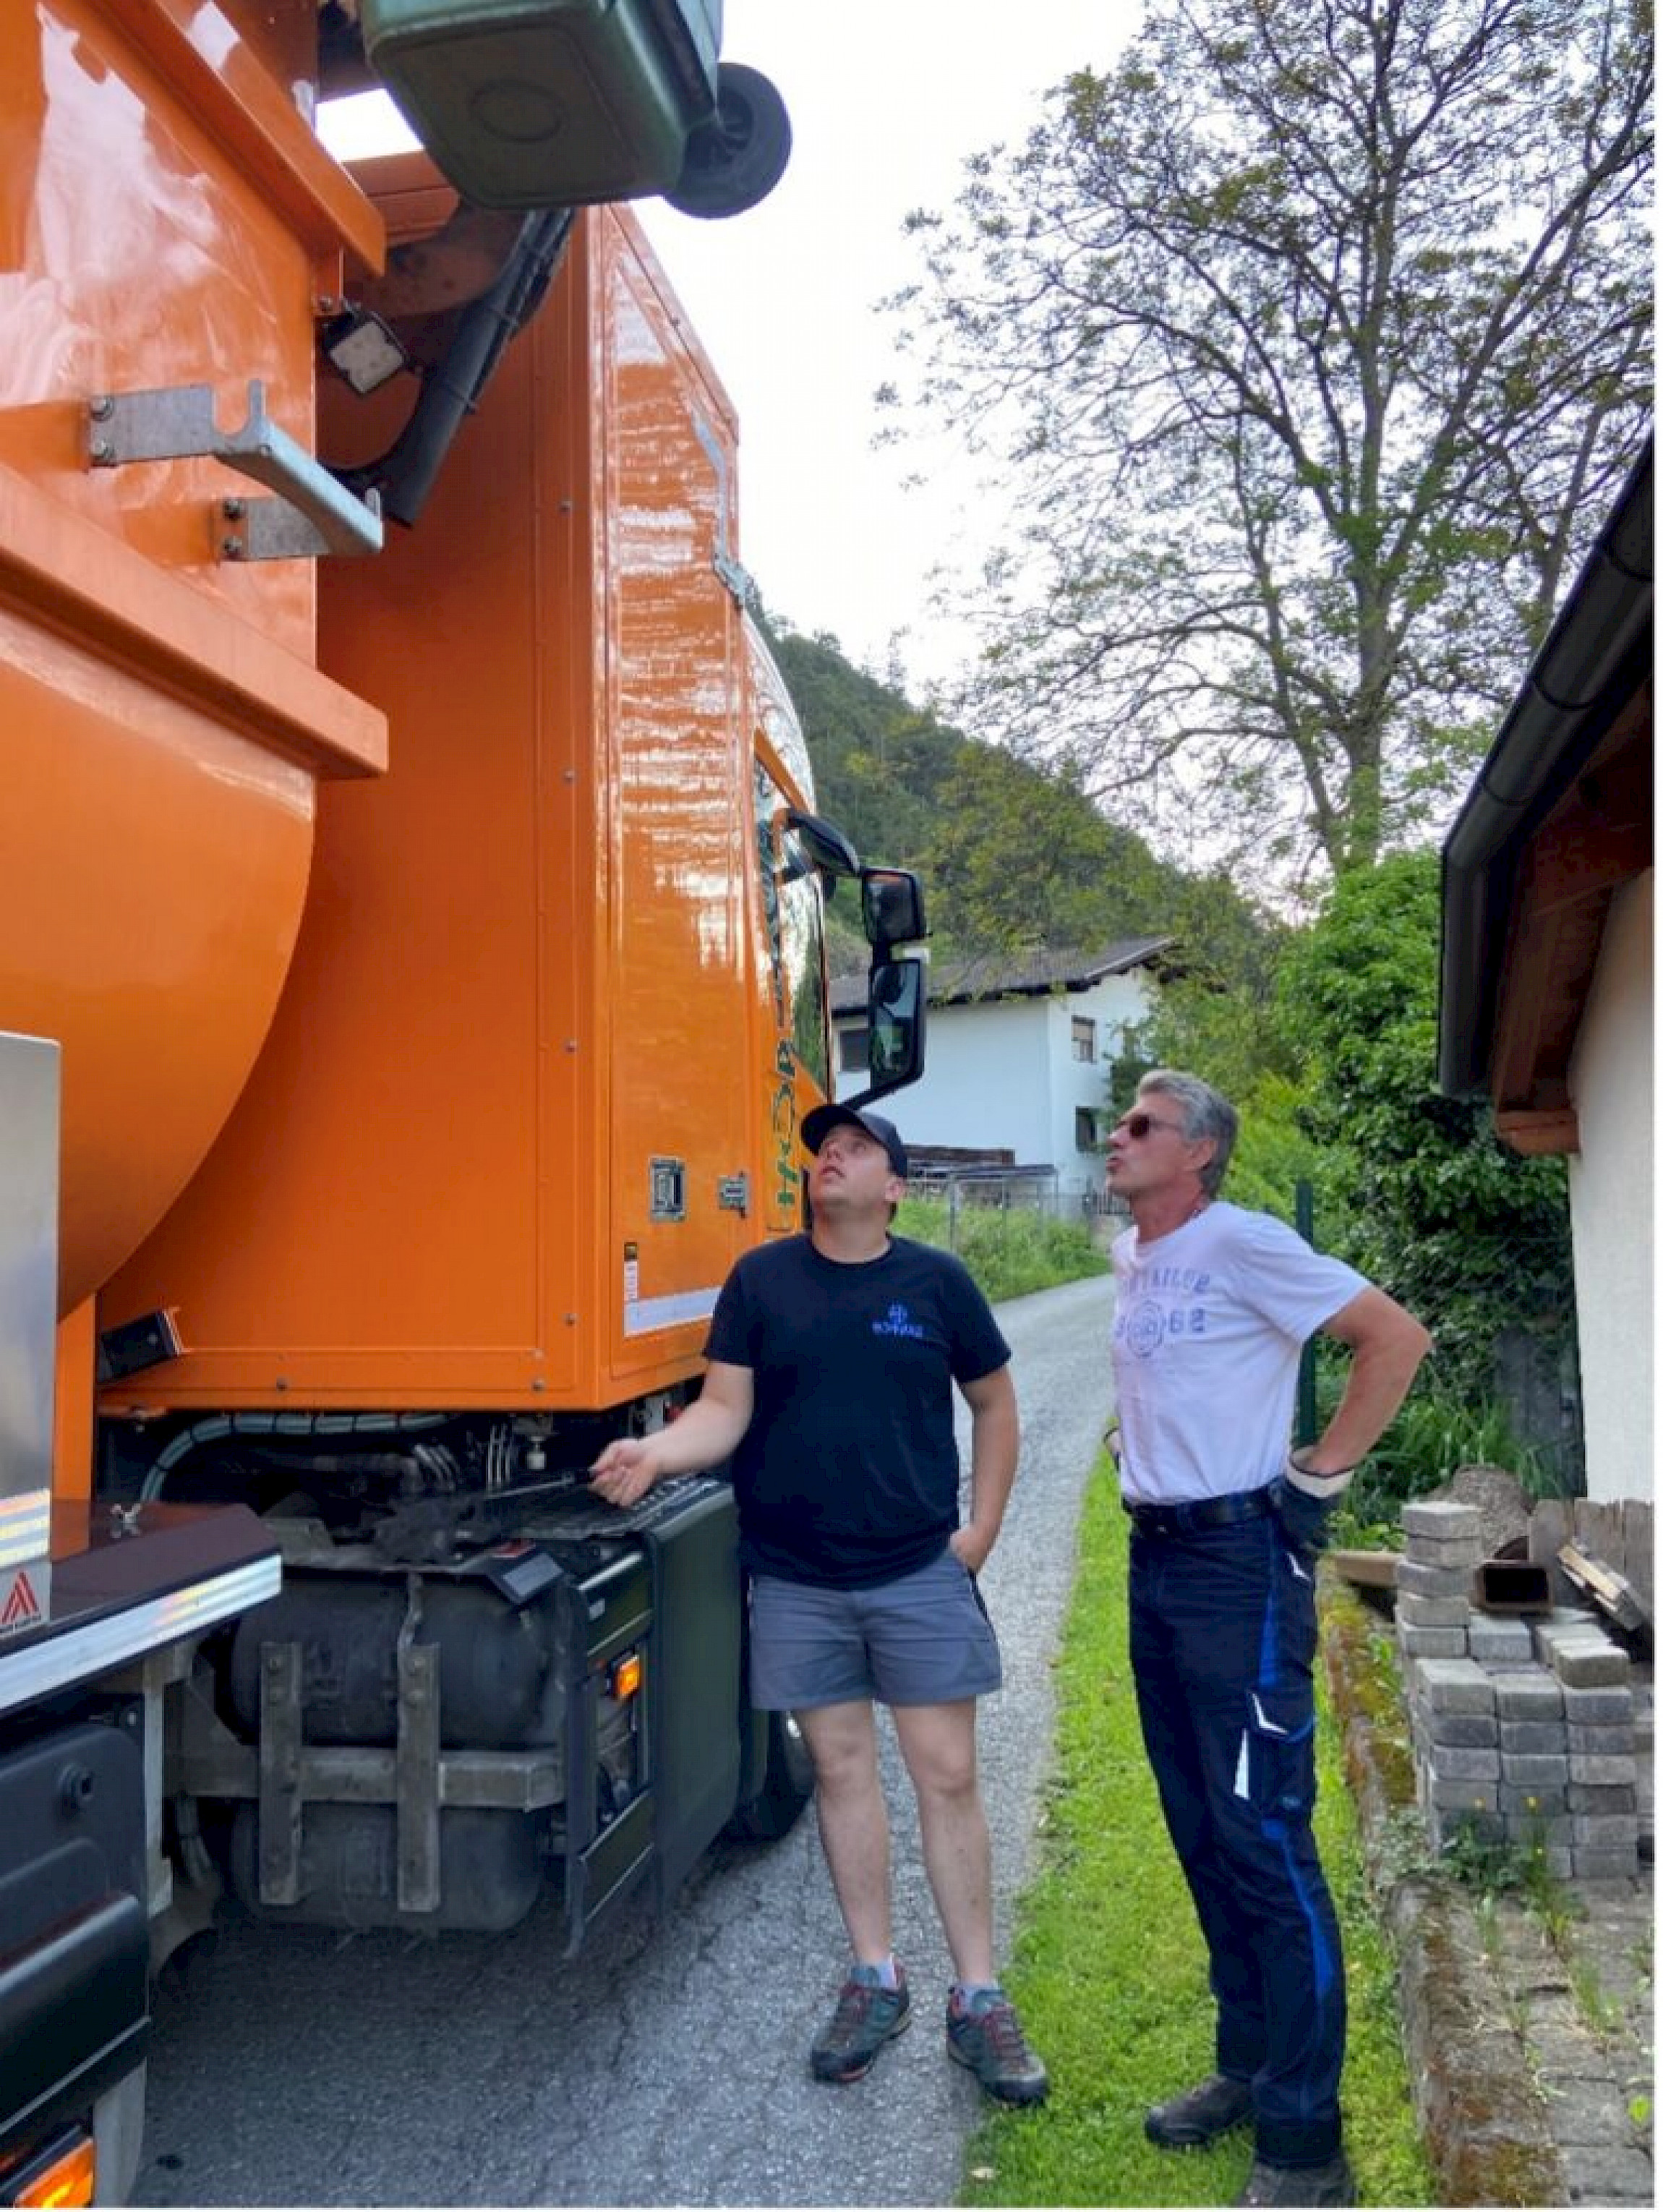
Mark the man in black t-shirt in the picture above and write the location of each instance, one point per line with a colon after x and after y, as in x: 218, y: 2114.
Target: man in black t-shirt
x: 833, y: 1357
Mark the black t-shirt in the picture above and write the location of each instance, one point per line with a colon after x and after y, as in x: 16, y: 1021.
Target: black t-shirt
x: 848, y: 1473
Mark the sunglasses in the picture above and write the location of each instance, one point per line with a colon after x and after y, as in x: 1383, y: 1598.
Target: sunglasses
x: 1139, y: 1125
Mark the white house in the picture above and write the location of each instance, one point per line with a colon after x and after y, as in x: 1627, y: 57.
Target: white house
x: 1545, y: 998
x: 1018, y: 1055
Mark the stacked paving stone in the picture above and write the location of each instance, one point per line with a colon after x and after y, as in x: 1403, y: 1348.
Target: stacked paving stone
x: 1524, y: 1729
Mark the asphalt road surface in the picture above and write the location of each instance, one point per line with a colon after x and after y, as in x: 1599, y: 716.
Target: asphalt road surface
x: 667, y: 2064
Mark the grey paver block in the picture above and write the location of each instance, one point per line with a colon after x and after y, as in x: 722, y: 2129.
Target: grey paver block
x: 1616, y: 1738
x: 1601, y: 1797
x: 1528, y: 1694
x: 1500, y: 1640
x: 1589, y: 1767
x: 1416, y: 1579
x: 1432, y: 1612
x: 1539, y: 1736
x: 1459, y: 1553
x: 1523, y: 1801
x: 1455, y: 1685
x: 1431, y: 1642
x: 1609, y: 1831
x: 1458, y: 1795
x: 1531, y: 1768
x: 1442, y: 1516
x: 1452, y: 1763
x: 1604, y: 1707
x: 1584, y: 1662
x: 1470, y: 1730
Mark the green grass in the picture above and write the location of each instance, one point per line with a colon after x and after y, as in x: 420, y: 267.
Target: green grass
x: 1009, y: 1251
x: 1108, y: 1969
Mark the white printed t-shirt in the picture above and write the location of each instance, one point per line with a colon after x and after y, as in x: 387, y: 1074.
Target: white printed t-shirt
x: 1209, y: 1323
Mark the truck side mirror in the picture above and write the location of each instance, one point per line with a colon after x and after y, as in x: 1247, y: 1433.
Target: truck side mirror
x: 894, y: 1025
x: 892, y: 907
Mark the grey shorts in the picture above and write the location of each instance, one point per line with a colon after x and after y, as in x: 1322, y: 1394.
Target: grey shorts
x: 922, y: 1640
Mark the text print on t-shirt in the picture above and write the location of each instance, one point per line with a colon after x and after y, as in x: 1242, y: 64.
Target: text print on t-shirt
x: 897, y: 1322
x: 1146, y: 1320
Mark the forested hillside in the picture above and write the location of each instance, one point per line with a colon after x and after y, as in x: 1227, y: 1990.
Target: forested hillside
x: 1012, y: 856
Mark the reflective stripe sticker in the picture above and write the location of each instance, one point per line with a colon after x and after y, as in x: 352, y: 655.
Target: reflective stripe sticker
x: 1241, y: 1766
x: 1264, y: 1721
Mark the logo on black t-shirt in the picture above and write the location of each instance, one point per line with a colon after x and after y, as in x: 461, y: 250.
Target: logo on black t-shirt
x: 897, y: 1322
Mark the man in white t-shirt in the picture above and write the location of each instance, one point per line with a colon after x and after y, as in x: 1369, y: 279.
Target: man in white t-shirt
x: 1213, y: 1305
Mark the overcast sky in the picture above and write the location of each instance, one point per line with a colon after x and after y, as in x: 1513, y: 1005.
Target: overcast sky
x: 887, y: 98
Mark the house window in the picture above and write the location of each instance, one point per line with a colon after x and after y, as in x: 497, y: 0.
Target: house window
x: 1085, y: 1129
x: 1085, y: 1038
x: 851, y: 1050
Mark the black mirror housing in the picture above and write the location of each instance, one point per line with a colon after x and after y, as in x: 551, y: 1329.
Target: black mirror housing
x: 826, y: 845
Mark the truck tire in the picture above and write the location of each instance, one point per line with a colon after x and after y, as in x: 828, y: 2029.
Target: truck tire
x: 787, y: 1786
x: 740, y: 154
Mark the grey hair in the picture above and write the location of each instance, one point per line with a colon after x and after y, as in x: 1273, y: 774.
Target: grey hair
x: 1207, y: 1115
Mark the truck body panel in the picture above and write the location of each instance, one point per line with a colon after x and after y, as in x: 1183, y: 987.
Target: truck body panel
x: 499, y: 1148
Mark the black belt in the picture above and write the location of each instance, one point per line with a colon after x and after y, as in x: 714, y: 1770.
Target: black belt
x: 1200, y: 1513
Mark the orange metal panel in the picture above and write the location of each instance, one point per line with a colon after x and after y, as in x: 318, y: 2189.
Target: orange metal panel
x: 531, y: 962
x: 678, y: 834
x: 392, y: 1213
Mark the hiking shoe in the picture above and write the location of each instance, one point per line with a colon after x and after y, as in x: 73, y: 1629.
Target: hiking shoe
x: 863, y: 2020
x: 987, y: 2037
x: 1200, y: 2115
x: 1331, y: 2183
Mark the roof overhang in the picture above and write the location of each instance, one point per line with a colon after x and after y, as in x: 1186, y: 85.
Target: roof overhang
x: 1558, y: 816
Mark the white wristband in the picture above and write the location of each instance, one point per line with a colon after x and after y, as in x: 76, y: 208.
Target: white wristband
x: 1324, y: 1487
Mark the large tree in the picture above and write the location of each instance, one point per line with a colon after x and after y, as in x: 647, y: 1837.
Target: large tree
x: 1316, y: 334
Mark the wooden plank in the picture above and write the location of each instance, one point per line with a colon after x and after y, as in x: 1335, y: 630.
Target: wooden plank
x: 1550, y: 1527
x: 1638, y: 1537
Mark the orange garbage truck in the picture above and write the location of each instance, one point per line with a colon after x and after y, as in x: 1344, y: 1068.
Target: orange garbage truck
x: 412, y: 980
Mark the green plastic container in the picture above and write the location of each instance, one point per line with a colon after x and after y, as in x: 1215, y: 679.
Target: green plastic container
x: 546, y: 103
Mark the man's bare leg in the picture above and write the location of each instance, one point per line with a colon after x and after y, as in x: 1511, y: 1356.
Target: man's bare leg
x: 938, y: 1743
x: 854, y: 1823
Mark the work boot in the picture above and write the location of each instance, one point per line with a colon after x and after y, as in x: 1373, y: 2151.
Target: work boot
x: 1200, y: 2115
x: 987, y: 2036
x: 1331, y: 2183
x: 862, y: 2021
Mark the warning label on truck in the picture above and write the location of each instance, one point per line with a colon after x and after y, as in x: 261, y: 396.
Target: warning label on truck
x: 25, y: 1593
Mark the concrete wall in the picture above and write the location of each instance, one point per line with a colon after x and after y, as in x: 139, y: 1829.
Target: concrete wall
x: 1611, y: 1201
x: 1002, y: 1074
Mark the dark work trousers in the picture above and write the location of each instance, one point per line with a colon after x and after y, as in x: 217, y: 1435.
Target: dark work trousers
x: 1224, y: 1632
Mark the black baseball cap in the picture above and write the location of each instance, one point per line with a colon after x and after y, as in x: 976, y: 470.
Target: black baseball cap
x: 818, y: 1125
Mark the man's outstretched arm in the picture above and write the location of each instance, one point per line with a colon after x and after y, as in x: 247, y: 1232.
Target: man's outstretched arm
x: 705, y: 1436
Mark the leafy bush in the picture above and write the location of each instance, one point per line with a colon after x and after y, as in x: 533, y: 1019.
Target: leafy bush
x: 1417, y: 1191
x: 1009, y: 1251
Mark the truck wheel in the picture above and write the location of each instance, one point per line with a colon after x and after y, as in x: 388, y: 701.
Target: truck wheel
x: 787, y: 1786
x: 740, y: 154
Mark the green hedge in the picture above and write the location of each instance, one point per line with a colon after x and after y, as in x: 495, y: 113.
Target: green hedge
x: 1010, y: 1251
